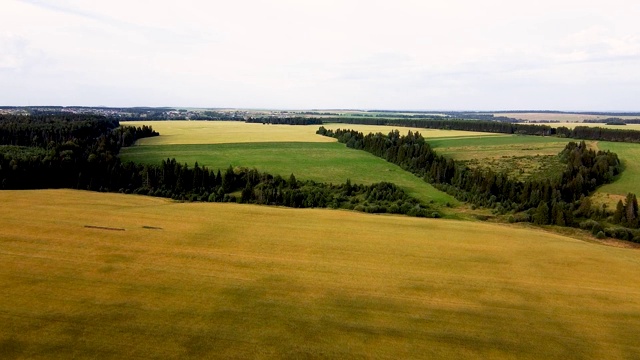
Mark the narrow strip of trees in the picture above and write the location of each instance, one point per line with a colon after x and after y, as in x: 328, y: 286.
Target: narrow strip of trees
x: 500, y: 127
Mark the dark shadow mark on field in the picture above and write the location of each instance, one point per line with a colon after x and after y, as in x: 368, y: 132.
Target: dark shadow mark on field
x: 151, y: 227
x: 11, y: 348
x: 103, y: 228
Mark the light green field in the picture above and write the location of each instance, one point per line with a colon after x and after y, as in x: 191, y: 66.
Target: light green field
x: 629, y: 180
x: 203, y: 280
x: 228, y: 132
x: 497, y: 146
x: 322, y: 162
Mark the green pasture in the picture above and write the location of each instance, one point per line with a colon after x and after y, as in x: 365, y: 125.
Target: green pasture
x: 629, y: 180
x: 322, y: 162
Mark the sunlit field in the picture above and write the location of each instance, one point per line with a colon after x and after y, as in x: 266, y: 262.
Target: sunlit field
x: 229, y: 132
x: 629, y: 180
x: 122, y: 276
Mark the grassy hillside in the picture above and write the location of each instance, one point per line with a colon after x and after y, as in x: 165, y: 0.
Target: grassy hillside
x: 324, y: 162
x: 153, y: 278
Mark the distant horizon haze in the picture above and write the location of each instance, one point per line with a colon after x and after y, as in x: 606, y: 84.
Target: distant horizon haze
x: 331, y: 54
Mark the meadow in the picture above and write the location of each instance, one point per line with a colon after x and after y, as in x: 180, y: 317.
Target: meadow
x: 536, y: 156
x: 497, y: 146
x: 627, y: 182
x: 520, y: 157
x: 93, y: 275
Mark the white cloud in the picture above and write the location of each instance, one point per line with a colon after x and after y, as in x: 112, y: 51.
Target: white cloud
x: 314, y: 54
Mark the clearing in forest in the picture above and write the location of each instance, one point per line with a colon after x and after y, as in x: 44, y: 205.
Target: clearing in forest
x: 521, y: 157
x: 629, y: 180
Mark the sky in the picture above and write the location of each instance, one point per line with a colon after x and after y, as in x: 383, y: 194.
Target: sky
x: 330, y: 54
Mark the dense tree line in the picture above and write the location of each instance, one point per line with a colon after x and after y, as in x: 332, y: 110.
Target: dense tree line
x: 502, y: 127
x: 47, y: 131
x: 579, y: 132
x: 558, y: 201
x: 63, y: 150
x: 81, y: 152
x: 599, y: 133
x: 179, y: 181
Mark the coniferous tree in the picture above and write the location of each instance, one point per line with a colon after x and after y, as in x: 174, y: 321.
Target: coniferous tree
x: 631, y: 210
x: 541, y: 215
x: 619, y: 214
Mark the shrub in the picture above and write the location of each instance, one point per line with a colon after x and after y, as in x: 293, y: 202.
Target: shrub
x: 588, y: 224
x: 600, y: 235
x: 596, y: 228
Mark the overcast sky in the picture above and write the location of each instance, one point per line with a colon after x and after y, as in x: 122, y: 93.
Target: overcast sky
x: 400, y: 54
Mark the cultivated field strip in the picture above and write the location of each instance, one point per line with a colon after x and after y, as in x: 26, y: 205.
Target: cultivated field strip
x: 233, y: 132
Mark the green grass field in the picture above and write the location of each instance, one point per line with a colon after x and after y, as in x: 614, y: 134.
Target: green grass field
x: 629, y: 180
x: 203, y: 280
x: 323, y: 162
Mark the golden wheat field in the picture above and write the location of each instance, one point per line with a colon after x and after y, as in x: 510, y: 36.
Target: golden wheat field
x: 229, y: 132
x: 93, y: 275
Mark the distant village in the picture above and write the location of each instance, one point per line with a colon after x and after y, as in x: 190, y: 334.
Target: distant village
x: 153, y: 113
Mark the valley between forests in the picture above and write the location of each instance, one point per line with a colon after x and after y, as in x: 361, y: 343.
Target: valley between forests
x: 105, y: 275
